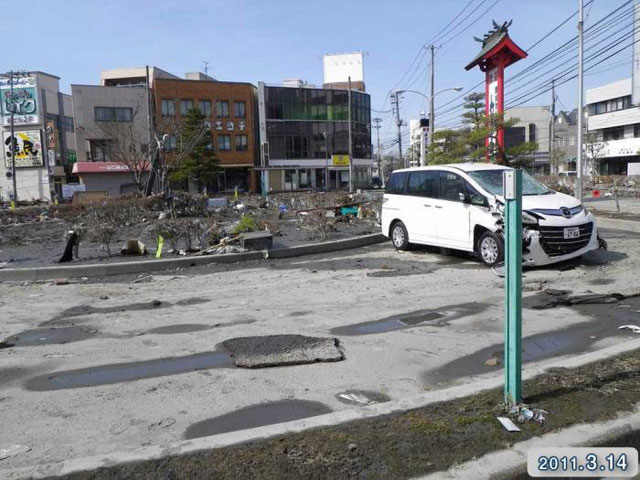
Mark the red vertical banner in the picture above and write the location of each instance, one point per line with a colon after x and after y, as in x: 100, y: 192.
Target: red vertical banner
x: 500, y: 116
x: 493, y: 108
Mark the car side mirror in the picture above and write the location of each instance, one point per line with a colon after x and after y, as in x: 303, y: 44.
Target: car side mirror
x: 462, y: 197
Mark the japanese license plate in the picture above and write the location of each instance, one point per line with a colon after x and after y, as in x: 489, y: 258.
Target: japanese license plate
x: 571, y: 232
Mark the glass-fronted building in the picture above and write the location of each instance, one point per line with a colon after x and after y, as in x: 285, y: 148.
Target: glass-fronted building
x: 304, y: 135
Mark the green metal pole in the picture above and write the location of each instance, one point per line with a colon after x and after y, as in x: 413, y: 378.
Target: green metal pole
x: 513, y: 287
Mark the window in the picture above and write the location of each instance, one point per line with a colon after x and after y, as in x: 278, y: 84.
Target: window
x: 185, y: 106
x: 636, y: 130
x: 615, y: 133
x: 239, y: 109
x: 241, y: 143
x: 224, y: 143
x: 205, y: 107
x: 397, y: 183
x: 475, y: 197
x: 532, y: 132
x: 66, y: 124
x: 222, y: 108
x: 423, y: 183
x: 113, y: 114
x: 168, y: 107
x: 451, y: 186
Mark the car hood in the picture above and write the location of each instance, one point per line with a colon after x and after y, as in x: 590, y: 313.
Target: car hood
x: 550, y: 201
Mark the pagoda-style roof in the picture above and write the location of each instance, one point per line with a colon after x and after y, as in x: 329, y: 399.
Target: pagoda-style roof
x: 497, y: 41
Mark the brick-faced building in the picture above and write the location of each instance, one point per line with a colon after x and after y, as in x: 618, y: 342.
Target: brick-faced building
x: 230, y: 109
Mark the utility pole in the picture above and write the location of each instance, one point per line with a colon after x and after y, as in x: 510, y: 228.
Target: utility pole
x: 578, y: 193
x: 552, y: 130
x: 350, y: 143
x: 395, y: 99
x: 152, y: 151
x: 432, y: 95
x: 13, y: 143
x: 377, y: 121
x: 326, y: 161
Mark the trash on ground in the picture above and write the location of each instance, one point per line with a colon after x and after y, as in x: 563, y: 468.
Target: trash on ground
x: 13, y: 450
x: 633, y: 328
x: 133, y: 247
x: 508, y: 425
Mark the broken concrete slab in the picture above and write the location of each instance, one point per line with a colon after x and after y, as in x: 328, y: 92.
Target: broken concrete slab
x: 282, y: 350
x: 257, y: 240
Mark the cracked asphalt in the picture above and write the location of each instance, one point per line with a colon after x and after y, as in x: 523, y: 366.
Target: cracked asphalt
x: 121, y: 371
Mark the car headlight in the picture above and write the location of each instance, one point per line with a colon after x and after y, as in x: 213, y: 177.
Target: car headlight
x: 529, y: 219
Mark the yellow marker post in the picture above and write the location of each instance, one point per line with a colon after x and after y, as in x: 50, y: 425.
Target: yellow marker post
x: 160, y: 243
x: 13, y: 205
x: 235, y: 193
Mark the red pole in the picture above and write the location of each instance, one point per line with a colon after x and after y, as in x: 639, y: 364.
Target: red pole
x: 486, y: 112
x: 500, y: 133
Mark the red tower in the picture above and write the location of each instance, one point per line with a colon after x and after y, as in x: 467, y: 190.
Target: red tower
x: 498, y: 52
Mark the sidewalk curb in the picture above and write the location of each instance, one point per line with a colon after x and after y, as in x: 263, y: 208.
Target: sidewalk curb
x: 617, y: 224
x: 331, y: 419
x: 77, y: 271
x: 511, y: 462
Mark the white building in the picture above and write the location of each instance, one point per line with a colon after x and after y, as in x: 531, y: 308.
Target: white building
x: 43, y: 133
x: 613, y: 124
x: 534, y: 125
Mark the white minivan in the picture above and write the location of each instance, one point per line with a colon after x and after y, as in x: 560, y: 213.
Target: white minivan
x: 460, y: 207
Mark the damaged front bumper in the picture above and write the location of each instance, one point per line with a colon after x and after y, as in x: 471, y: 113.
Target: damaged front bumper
x: 545, y: 244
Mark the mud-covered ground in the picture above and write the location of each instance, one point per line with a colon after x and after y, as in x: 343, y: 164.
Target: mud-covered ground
x: 412, y: 443
x: 125, y: 362
x: 42, y: 243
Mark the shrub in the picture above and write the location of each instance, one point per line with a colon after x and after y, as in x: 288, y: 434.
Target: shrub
x: 246, y: 224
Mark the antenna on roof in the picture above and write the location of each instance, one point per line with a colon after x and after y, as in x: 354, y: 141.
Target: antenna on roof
x: 206, y: 67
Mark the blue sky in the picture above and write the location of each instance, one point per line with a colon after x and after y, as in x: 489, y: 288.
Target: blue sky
x: 252, y: 40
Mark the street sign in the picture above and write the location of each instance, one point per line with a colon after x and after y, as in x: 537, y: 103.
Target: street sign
x: 512, y: 183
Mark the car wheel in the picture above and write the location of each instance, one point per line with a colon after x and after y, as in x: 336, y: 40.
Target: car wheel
x: 399, y: 236
x: 490, y: 249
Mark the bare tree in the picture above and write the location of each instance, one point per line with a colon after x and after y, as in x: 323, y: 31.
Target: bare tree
x: 594, y: 150
x: 128, y: 144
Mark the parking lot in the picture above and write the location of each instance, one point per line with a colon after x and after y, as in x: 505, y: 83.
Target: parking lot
x: 108, y: 366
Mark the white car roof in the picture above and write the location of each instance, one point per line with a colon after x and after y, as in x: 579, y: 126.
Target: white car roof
x: 465, y: 167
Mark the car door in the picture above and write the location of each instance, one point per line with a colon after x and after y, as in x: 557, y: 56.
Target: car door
x: 422, y: 188
x: 452, y: 207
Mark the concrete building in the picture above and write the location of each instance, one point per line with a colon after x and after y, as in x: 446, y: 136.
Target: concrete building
x: 613, y: 126
x: 304, y: 137
x: 231, y: 112
x: 533, y: 125
x: 133, y: 76
x: 44, y: 137
x: 108, y: 119
x: 564, y: 151
x: 339, y: 67
x: 113, y: 178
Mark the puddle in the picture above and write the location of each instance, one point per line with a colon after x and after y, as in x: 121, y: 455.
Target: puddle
x: 437, y: 317
x: 362, y: 397
x: 83, y: 310
x: 571, y: 340
x: 127, y: 372
x: 186, y: 328
x: 257, y: 416
x: 50, y: 336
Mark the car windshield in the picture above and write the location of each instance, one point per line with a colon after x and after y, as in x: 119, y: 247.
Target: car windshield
x: 491, y: 181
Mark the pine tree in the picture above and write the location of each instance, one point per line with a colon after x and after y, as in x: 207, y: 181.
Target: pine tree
x: 201, y: 164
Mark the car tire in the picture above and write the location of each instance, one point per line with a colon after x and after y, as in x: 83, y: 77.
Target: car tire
x: 490, y: 249
x: 399, y: 236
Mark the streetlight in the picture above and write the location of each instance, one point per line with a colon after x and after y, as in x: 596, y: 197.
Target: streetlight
x: 429, y: 98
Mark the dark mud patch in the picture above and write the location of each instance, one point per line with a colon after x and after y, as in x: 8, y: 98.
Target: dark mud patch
x: 128, y: 372
x: 282, y: 350
x: 51, y: 336
x: 11, y: 374
x: 577, y: 338
x: 185, y: 328
x: 68, y: 315
x: 436, y: 317
x: 601, y: 281
x: 362, y: 397
x: 408, y: 444
x: 300, y: 313
x: 257, y: 416
x: 551, y: 298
